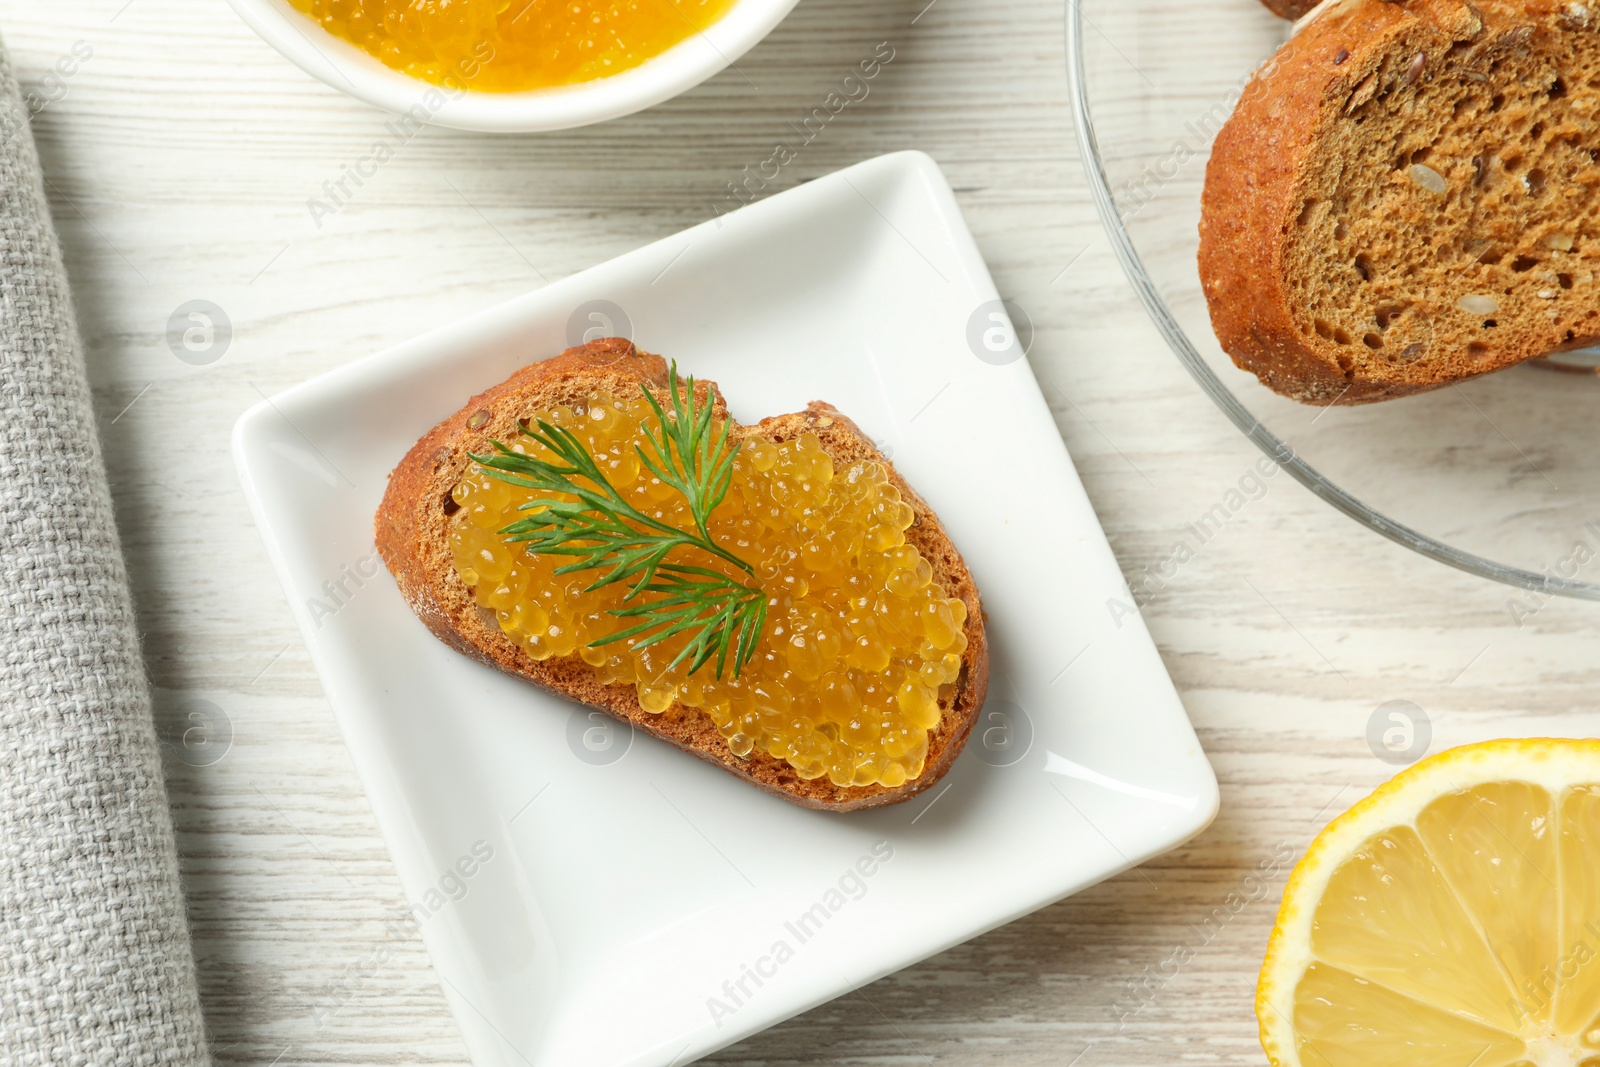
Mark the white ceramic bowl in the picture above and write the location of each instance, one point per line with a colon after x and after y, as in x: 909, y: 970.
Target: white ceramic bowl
x: 349, y: 69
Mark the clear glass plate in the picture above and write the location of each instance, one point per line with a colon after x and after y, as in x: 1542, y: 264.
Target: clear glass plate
x: 1499, y: 476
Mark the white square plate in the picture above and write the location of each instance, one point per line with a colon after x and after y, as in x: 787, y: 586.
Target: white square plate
x: 594, y: 898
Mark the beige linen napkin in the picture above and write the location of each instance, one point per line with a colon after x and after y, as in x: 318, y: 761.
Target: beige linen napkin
x: 95, y: 964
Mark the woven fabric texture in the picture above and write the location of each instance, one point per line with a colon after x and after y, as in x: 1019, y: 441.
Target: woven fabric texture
x: 95, y: 963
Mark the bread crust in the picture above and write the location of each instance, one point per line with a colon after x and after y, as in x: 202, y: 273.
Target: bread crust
x: 413, y: 526
x: 1289, y: 9
x: 1258, y: 180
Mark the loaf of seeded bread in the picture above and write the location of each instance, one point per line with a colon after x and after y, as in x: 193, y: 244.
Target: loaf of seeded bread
x: 1407, y: 196
x: 417, y: 515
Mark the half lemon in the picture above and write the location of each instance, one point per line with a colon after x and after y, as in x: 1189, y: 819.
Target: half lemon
x: 1451, y: 919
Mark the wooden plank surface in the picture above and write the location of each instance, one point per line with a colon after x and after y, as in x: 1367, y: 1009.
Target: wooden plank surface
x: 181, y: 155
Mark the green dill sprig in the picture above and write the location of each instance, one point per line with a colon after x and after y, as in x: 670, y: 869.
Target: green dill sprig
x: 601, y: 531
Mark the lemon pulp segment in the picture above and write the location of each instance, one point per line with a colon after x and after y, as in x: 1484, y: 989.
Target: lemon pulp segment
x: 513, y: 45
x: 861, y: 644
x: 1468, y: 936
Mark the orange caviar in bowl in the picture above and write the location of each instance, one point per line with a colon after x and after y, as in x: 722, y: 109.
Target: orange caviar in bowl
x: 860, y: 648
x: 513, y: 45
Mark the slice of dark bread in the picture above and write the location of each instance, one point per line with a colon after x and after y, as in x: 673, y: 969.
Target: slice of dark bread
x: 417, y: 515
x: 1408, y: 196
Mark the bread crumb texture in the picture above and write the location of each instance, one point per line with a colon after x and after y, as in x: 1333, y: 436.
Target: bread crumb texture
x: 1406, y: 197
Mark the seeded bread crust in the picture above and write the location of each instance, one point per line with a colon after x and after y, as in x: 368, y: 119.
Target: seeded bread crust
x: 1333, y: 272
x: 415, y: 520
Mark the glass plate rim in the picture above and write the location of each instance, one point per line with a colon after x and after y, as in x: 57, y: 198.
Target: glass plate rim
x: 1274, y: 448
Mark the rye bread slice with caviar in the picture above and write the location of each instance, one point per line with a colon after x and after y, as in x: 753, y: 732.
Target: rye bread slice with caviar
x: 1407, y: 196
x: 417, y: 515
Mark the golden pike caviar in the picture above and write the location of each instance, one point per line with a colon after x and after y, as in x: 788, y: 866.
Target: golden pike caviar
x: 512, y: 45
x: 860, y: 645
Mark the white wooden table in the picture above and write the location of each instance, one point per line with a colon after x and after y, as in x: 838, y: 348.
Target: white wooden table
x: 181, y: 155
